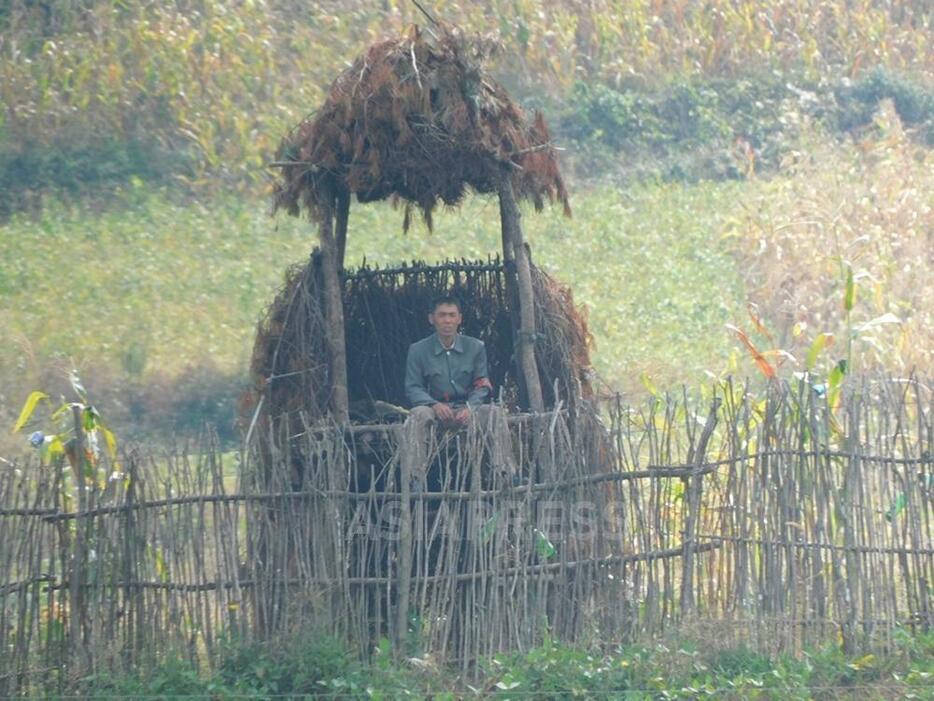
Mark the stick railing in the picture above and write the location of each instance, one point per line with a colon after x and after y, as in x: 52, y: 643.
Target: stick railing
x: 630, y: 524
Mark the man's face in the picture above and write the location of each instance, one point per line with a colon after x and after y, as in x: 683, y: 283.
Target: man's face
x: 446, y: 318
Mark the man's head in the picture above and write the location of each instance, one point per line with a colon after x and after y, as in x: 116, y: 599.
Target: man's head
x: 445, y: 315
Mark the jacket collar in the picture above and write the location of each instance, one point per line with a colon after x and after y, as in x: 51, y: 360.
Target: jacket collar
x: 439, y: 347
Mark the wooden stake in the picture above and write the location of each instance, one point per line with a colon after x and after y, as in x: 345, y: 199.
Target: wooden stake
x: 512, y: 298
x: 343, y: 214
x: 334, y: 309
x: 512, y: 237
x: 695, y: 488
x: 404, y: 555
x: 77, y: 574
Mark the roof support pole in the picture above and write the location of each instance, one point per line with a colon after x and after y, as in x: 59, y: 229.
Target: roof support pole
x: 512, y: 299
x: 333, y: 307
x: 514, y: 243
x: 343, y: 214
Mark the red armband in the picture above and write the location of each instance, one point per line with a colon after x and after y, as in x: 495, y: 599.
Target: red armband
x: 482, y: 382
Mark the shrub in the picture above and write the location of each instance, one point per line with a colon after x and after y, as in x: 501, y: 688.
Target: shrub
x: 300, y: 664
x: 860, y: 100
x: 615, y: 118
x: 81, y: 162
x: 837, y: 247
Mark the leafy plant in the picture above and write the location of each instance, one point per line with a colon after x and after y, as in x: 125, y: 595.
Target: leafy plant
x: 79, y: 432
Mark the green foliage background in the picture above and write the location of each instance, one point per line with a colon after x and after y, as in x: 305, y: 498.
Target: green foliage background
x: 307, y: 666
x: 134, y: 240
x: 200, y: 92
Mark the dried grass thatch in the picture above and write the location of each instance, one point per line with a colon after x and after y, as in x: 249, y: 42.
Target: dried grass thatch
x: 418, y: 119
x: 385, y: 310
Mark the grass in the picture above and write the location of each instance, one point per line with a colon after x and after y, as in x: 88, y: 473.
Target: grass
x: 159, y: 285
x: 160, y: 296
x: 309, y: 665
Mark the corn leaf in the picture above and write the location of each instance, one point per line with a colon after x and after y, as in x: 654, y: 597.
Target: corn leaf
x: 111, y: 442
x: 544, y: 547
x: 849, y: 296
x: 489, y: 528
x: 764, y: 365
x: 28, y: 409
x: 64, y: 408
x: 835, y: 385
x: 897, y: 507
x: 648, y: 384
x: 56, y: 448
x: 888, y: 318
x: 77, y: 386
x: 90, y: 418
x: 753, y: 310
x: 823, y: 340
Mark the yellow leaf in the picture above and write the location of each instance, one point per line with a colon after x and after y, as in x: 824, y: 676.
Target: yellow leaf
x: 863, y: 662
x: 28, y: 409
x: 648, y: 384
x: 56, y: 448
x: 824, y: 340
x: 111, y: 442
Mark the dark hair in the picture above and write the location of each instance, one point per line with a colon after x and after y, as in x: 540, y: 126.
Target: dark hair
x: 446, y: 299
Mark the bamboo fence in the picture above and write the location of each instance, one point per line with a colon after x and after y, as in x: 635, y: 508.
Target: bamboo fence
x: 770, y: 518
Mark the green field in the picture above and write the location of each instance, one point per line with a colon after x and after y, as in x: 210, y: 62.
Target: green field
x: 147, y: 292
x: 740, y: 152
x: 180, y: 282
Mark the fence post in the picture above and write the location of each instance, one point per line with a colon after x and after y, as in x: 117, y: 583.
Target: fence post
x: 333, y: 307
x: 408, y: 454
x: 134, y: 601
x: 693, y: 500
x: 76, y: 575
x: 510, y: 218
x: 848, y: 512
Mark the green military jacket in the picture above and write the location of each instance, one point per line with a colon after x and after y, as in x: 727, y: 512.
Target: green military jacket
x: 434, y: 374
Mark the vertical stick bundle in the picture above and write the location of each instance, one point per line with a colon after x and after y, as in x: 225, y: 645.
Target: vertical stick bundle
x: 775, y: 526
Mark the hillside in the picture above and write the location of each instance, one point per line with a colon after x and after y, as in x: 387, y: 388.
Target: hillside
x: 749, y: 152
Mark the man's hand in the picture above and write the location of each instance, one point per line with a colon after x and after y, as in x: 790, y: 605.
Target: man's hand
x: 443, y: 412
x: 462, y: 416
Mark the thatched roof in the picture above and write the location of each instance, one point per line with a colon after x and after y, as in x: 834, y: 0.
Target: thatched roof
x: 417, y: 118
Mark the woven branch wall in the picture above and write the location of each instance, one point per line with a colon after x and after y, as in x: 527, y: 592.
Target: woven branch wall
x: 785, y: 528
x: 385, y: 310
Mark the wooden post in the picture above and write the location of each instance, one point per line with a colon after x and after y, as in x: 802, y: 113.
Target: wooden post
x: 343, y: 214
x: 407, y: 453
x: 77, y: 571
x: 513, y: 240
x: 693, y: 501
x: 333, y: 308
x: 512, y: 299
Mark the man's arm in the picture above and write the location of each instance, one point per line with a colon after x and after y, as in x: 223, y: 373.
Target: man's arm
x: 481, y: 387
x: 415, y: 390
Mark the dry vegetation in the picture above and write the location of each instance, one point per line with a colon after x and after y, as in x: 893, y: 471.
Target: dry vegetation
x: 865, y: 209
x: 118, y: 87
x: 116, y: 91
x: 419, y: 119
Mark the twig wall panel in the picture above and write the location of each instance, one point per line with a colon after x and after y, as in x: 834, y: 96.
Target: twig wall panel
x: 766, y: 517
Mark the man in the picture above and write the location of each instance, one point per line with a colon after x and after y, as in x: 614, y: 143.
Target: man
x: 446, y: 382
x: 446, y: 373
